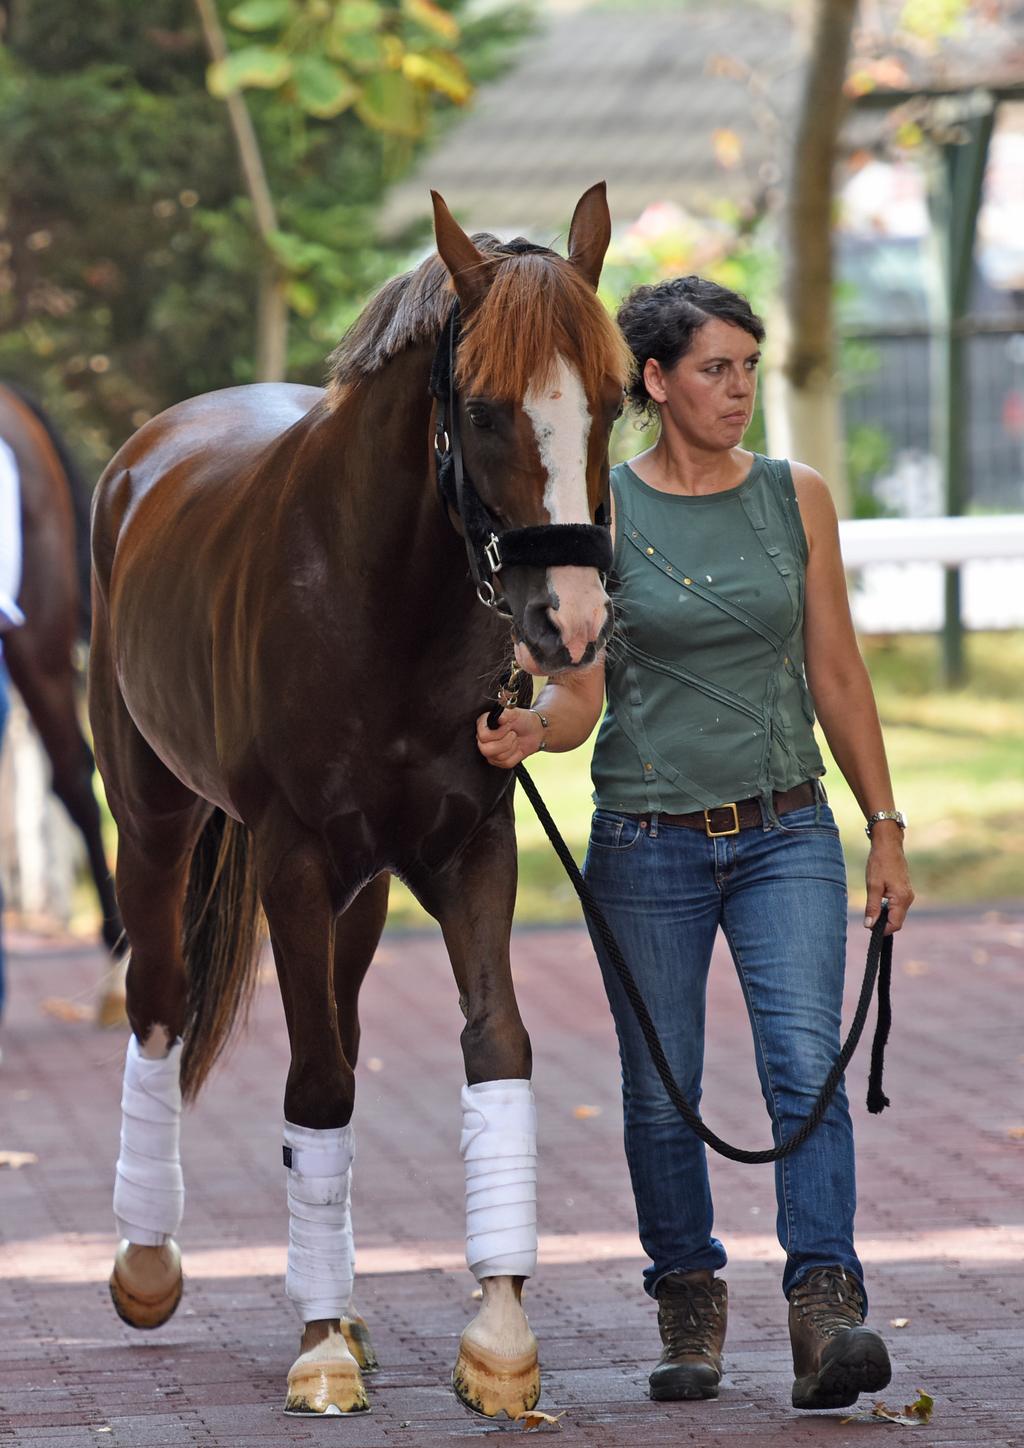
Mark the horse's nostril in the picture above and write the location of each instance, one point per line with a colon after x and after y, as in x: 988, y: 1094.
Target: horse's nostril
x: 538, y: 623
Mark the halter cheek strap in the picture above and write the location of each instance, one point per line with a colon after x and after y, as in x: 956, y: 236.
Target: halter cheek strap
x: 489, y: 547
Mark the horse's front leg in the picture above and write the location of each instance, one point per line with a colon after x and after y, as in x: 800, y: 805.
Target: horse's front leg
x: 497, y: 1369
x: 296, y: 891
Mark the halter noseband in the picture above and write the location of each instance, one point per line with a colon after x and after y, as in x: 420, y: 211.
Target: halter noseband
x: 489, y: 547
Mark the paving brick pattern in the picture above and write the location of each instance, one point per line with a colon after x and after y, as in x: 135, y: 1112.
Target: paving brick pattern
x: 940, y: 1224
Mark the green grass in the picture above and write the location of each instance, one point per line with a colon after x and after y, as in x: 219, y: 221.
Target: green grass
x: 957, y: 761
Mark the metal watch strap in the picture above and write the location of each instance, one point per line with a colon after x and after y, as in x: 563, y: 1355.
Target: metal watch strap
x: 884, y: 814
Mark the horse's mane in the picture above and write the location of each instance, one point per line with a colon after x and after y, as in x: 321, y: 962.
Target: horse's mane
x: 537, y: 308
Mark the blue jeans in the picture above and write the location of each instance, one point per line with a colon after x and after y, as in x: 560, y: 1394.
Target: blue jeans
x: 779, y: 895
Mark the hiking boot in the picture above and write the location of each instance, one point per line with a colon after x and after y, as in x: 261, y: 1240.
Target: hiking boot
x: 834, y: 1356
x: 692, y: 1312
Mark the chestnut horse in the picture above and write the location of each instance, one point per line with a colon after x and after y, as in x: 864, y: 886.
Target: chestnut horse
x: 54, y: 599
x: 288, y: 658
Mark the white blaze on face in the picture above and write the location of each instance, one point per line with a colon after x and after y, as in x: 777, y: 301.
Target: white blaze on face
x: 561, y: 424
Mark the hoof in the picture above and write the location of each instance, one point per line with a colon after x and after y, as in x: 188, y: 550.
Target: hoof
x: 146, y: 1289
x: 357, y: 1339
x: 326, y: 1382
x: 112, y: 1010
x: 492, y: 1385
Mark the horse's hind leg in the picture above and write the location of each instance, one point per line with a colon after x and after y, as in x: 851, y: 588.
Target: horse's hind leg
x: 158, y: 821
x: 356, y: 936
x: 152, y: 874
x: 497, y: 1369
x: 299, y: 895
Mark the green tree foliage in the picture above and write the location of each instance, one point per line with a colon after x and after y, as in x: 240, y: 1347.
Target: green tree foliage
x: 128, y: 255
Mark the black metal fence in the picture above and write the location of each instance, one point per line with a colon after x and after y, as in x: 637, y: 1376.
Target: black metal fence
x: 888, y: 389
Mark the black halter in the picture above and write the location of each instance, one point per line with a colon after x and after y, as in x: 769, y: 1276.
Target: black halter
x: 489, y: 547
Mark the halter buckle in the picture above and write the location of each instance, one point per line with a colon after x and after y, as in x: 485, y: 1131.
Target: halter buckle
x: 492, y: 552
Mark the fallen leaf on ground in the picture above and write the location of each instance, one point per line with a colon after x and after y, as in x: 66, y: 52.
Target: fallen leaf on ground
x: 899, y: 1321
x: 536, y: 1419
x: 913, y: 1415
x: 65, y: 1010
x: 17, y: 1159
x: 584, y: 1113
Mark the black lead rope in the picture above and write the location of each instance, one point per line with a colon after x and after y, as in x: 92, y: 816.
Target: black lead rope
x: 879, y: 964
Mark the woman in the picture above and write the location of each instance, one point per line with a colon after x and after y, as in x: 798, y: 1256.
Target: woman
x: 732, y: 615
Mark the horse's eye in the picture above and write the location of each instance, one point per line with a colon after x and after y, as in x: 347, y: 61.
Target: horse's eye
x: 479, y: 415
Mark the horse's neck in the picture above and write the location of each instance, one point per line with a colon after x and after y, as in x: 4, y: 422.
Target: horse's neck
x: 376, y: 450
x: 377, y: 434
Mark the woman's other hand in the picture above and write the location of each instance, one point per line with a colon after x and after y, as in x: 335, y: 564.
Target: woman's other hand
x: 888, y: 877
x: 518, y: 735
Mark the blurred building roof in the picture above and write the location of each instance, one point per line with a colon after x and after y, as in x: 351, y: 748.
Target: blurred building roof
x: 682, y: 102
x: 629, y: 96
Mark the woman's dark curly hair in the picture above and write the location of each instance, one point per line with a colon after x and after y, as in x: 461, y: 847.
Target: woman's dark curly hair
x: 661, y: 321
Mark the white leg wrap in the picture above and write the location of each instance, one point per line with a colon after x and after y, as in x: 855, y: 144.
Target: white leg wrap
x: 320, y: 1257
x: 149, y: 1193
x: 499, y: 1148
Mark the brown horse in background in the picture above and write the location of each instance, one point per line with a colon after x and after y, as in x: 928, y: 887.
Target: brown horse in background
x: 288, y: 658
x: 54, y: 598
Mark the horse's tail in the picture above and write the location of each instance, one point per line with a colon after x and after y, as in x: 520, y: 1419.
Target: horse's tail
x: 80, y: 494
x: 221, y: 936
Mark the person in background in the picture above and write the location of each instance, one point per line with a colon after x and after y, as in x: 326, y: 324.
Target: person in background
x: 11, y: 615
x: 733, y: 628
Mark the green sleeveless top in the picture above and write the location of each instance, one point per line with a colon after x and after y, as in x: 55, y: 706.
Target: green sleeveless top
x: 707, y: 701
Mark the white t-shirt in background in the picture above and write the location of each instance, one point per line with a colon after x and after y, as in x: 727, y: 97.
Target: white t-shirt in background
x: 10, y: 540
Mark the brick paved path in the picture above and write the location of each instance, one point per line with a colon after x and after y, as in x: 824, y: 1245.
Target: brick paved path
x: 942, y: 1193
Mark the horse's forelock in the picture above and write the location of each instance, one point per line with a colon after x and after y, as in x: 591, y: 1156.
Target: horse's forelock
x: 538, y: 309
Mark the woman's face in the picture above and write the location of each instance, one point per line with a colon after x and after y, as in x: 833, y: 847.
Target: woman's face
x: 708, y: 396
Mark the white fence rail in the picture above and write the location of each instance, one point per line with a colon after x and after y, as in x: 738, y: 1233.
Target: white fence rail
x: 898, y: 566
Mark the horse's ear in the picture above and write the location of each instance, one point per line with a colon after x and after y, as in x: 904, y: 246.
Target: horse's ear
x: 467, y: 265
x: 590, y: 233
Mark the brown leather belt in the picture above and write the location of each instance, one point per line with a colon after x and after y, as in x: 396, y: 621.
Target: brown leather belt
x: 745, y: 814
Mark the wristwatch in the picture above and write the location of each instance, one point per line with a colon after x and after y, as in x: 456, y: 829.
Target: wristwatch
x: 544, y: 722
x: 885, y: 814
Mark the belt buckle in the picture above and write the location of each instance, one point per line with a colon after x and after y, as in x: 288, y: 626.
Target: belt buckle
x: 719, y: 834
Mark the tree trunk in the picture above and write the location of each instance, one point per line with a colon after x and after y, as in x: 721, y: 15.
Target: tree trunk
x: 272, y: 306
x: 271, y: 324
x: 802, y: 395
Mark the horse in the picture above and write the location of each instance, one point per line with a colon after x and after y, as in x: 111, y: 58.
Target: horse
x: 40, y: 655
x: 288, y: 655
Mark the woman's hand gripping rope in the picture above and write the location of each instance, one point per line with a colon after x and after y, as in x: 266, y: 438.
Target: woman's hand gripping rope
x: 517, y: 735
x: 888, y: 877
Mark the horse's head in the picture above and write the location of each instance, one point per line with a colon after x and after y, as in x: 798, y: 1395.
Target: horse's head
x: 540, y: 369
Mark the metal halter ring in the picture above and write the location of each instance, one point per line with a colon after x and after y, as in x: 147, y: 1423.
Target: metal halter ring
x: 486, y: 594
